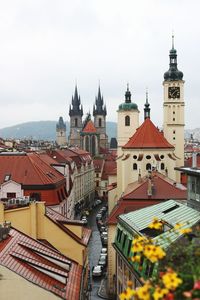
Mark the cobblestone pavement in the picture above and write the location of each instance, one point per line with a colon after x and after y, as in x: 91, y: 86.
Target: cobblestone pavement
x: 94, y: 251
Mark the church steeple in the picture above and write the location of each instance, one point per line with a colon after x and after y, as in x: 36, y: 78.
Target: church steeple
x: 173, y: 73
x: 128, y: 95
x: 99, y: 107
x: 75, y: 108
x: 147, y: 107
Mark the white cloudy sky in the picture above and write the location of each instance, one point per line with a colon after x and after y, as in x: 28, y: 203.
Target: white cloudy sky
x: 48, y: 45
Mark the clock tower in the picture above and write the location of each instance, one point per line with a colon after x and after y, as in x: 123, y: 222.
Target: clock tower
x: 173, y: 108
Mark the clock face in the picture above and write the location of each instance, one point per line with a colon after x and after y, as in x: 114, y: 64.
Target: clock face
x: 174, y: 92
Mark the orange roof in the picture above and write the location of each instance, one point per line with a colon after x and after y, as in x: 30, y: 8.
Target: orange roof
x: 89, y: 127
x: 147, y: 136
x: 41, y: 265
x: 28, y: 169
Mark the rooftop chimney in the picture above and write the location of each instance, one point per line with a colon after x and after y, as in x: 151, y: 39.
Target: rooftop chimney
x: 4, y: 230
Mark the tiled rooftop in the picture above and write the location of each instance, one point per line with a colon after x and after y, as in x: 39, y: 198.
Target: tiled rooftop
x: 41, y: 265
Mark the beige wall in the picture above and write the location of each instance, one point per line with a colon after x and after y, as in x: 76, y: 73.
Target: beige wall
x: 13, y: 286
x: 125, y: 132
x: 174, y: 121
x: 32, y: 221
x: 111, y: 258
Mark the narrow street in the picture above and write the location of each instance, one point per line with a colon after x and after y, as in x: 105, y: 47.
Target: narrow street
x: 95, y: 246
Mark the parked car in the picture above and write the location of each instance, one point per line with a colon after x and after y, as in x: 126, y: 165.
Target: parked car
x: 104, y: 250
x: 98, y: 201
x: 104, y: 234
x: 102, y: 261
x: 104, y: 241
x: 102, y: 228
x: 84, y: 220
x: 103, y: 256
x: 98, y: 216
x: 97, y: 271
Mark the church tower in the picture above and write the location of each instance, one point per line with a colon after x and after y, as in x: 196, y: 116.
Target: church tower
x: 75, y: 113
x: 173, y: 108
x: 128, y: 119
x: 99, y: 113
x: 61, y: 133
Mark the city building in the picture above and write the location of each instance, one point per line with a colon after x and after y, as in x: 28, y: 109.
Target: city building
x: 146, y: 191
x: 134, y: 224
x: 61, y: 138
x: 34, y: 270
x: 88, y: 135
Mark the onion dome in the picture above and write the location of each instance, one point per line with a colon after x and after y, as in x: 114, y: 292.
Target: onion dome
x: 128, y: 105
x: 173, y: 73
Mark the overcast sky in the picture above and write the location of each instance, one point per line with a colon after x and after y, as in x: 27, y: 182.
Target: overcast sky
x: 47, y: 46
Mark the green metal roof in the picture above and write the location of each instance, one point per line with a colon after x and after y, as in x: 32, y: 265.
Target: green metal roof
x: 140, y: 219
x: 128, y: 106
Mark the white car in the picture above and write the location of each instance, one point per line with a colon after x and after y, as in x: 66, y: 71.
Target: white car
x: 84, y: 220
x: 97, y: 271
x: 104, y: 251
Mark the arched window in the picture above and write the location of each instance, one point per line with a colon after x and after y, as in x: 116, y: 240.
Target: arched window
x: 100, y: 123
x: 162, y: 166
x: 134, y: 166
x: 127, y: 121
x: 87, y: 144
x: 148, y: 167
x: 76, y: 122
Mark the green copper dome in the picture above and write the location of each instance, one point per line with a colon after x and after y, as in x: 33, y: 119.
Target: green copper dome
x: 128, y: 106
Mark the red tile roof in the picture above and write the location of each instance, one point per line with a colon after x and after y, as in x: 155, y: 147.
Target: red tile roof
x: 188, y: 162
x: 98, y: 164
x: 125, y: 206
x: 41, y: 265
x: 109, y: 169
x: 60, y: 220
x: 90, y: 128
x: 136, y: 196
x: 162, y: 189
x: 28, y: 169
x: 147, y: 136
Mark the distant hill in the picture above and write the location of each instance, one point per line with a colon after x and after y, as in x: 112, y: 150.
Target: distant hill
x: 46, y: 130
x: 43, y: 130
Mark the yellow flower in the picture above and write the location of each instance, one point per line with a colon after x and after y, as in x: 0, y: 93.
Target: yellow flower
x: 138, y: 244
x: 186, y: 230
x: 156, y: 224
x: 153, y: 253
x: 171, y: 280
x: 159, y: 293
x: 143, y: 292
x: 178, y: 226
x: 127, y: 294
x: 135, y: 258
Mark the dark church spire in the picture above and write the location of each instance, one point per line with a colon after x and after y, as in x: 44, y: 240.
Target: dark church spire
x: 147, y: 107
x: 173, y: 73
x: 128, y: 95
x: 99, y: 107
x: 75, y: 108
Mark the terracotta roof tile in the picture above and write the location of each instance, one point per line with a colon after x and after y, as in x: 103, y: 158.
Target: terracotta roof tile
x: 90, y: 128
x: 28, y: 169
x: 162, y: 189
x: 147, y: 136
x: 41, y: 265
x: 109, y: 169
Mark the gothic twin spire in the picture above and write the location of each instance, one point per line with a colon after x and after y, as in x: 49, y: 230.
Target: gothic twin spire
x: 76, y: 108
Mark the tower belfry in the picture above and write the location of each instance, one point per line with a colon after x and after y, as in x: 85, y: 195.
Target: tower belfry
x: 173, y: 107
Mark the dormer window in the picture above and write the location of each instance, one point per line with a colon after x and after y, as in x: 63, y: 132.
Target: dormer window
x: 7, y: 177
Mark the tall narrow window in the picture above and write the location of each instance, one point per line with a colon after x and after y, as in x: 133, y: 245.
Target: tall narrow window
x: 76, y: 122
x: 134, y: 166
x: 162, y: 166
x: 148, y: 167
x: 127, y: 121
x: 100, y: 123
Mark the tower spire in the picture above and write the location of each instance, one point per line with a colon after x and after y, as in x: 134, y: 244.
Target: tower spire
x: 128, y: 95
x: 172, y: 39
x: 147, y: 107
